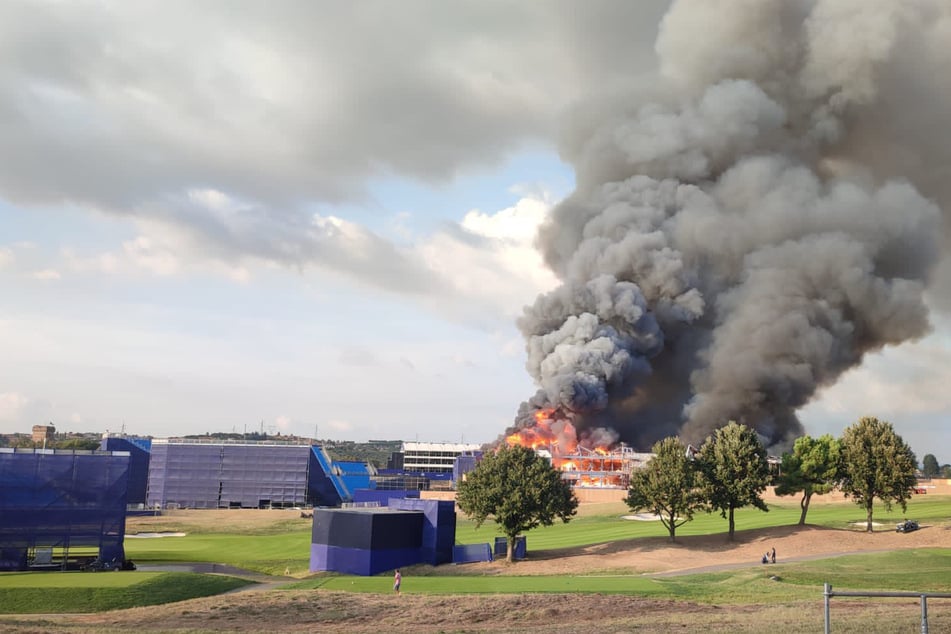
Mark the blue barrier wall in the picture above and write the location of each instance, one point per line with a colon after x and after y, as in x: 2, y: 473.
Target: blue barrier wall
x: 382, y: 497
x: 439, y: 528
x: 54, y: 501
x: 139, y: 453
x: 471, y: 553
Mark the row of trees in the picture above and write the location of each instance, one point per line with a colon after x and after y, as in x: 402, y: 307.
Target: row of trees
x: 730, y: 471
x: 521, y: 490
x: 931, y: 469
x: 26, y: 442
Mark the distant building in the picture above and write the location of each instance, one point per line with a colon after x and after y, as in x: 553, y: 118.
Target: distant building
x: 434, y: 457
x: 43, y: 433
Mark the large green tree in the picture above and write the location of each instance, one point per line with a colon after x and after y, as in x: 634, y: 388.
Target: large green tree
x: 733, y: 471
x: 929, y: 465
x: 876, y: 463
x: 519, y: 489
x: 667, y: 486
x: 812, y: 468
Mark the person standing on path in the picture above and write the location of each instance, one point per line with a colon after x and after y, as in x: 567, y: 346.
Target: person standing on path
x: 772, y: 556
x: 397, y: 580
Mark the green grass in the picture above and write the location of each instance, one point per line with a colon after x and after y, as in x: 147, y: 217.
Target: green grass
x: 64, y: 592
x: 583, y: 531
x: 273, y: 553
x: 908, y: 570
x: 270, y: 554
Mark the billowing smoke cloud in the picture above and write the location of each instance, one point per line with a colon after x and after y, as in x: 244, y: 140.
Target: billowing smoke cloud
x: 747, y: 228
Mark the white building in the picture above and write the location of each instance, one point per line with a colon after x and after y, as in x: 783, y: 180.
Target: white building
x: 434, y: 457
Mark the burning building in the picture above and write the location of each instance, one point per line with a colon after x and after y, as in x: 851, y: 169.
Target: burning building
x: 746, y: 226
x: 582, y: 464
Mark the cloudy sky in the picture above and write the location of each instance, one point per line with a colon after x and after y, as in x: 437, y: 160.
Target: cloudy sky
x: 312, y: 216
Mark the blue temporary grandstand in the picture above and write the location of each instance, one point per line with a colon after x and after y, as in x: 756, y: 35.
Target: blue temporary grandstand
x: 212, y: 473
x: 62, y: 508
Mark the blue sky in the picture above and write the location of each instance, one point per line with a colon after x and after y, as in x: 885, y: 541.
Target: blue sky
x: 224, y: 216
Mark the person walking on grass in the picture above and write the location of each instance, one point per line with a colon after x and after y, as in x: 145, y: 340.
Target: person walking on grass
x: 397, y: 580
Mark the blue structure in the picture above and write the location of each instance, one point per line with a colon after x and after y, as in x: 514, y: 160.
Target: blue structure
x: 230, y: 474
x: 139, y: 453
x: 471, y: 553
x: 367, y: 541
x: 381, y: 497
x: 330, y: 488
x: 61, y: 508
x: 463, y: 464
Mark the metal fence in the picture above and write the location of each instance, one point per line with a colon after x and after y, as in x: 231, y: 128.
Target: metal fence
x: 924, y: 596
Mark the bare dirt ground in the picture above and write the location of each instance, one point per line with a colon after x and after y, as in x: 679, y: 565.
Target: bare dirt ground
x: 324, y: 611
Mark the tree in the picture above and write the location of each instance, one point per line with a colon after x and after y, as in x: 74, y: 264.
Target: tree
x: 76, y: 443
x: 929, y: 465
x: 519, y: 489
x: 734, y: 471
x: 667, y: 486
x: 876, y: 463
x: 812, y: 468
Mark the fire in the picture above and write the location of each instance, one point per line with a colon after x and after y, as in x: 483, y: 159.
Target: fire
x: 555, y: 432
x: 547, y: 433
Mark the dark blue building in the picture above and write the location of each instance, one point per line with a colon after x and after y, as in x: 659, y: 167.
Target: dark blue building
x: 60, y: 508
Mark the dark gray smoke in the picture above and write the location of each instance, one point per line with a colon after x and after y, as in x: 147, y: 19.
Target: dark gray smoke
x: 748, y: 227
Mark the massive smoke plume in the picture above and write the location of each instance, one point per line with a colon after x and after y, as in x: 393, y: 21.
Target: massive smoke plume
x: 751, y: 224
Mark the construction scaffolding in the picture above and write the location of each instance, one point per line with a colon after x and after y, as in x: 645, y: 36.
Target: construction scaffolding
x: 600, y: 468
x: 61, y: 509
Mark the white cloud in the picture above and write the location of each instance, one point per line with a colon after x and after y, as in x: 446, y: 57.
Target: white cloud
x: 491, y: 261
x: 216, y: 120
x: 46, y: 275
x: 902, y: 381
x: 6, y: 257
x: 12, y: 405
x: 339, y: 426
x: 142, y: 253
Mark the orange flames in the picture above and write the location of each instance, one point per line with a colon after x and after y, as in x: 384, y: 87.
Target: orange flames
x: 554, y: 433
x: 581, y: 463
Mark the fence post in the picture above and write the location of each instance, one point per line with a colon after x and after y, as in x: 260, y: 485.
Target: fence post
x: 827, y: 592
x: 924, y: 614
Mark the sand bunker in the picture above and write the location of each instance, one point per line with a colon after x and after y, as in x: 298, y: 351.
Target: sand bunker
x: 642, y: 517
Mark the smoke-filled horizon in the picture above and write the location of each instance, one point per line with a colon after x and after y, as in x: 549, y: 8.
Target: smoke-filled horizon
x: 749, y: 225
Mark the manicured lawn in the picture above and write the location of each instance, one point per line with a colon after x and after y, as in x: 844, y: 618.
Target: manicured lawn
x: 907, y: 570
x: 598, y: 529
x: 64, y: 592
x: 270, y: 554
x: 273, y: 553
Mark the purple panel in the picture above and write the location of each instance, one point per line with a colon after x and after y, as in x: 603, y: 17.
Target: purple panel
x: 358, y: 561
x: 469, y: 553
